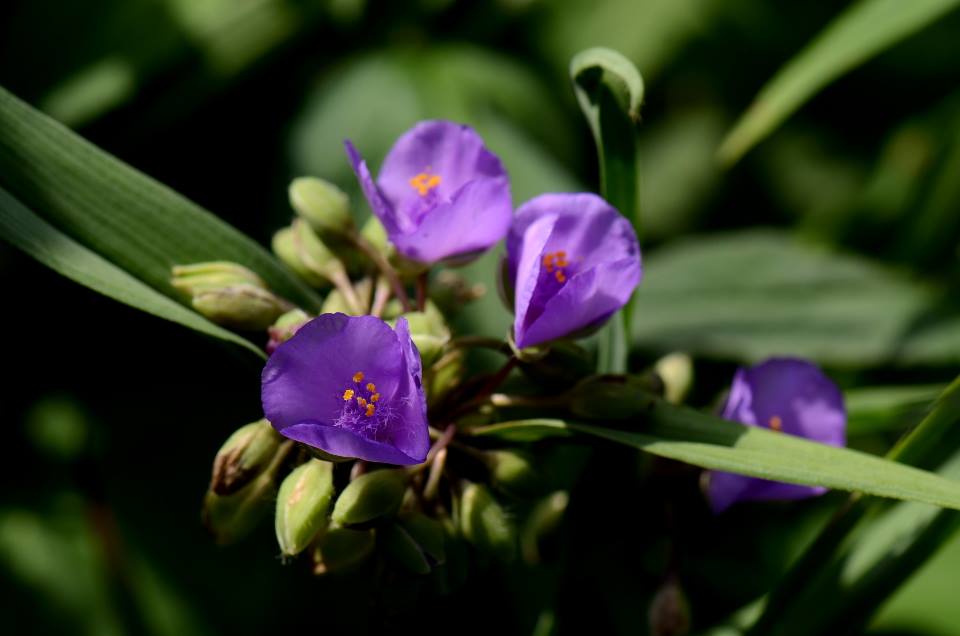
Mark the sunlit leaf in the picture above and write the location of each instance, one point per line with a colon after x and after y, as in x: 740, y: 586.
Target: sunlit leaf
x: 39, y: 239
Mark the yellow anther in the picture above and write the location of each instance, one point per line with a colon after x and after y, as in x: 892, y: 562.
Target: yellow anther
x: 370, y: 409
x: 358, y: 376
x: 560, y: 276
x: 348, y: 395
x: 424, y: 182
x: 375, y: 397
x: 362, y: 402
x: 776, y: 423
x: 371, y: 387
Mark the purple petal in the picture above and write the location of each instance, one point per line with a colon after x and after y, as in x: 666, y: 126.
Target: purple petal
x: 585, y: 299
x: 785, y: 394
x: 477, y: 217
x: 453, y: 152
x: 378, y: 203
x: 602, y: 273
x: 346, y: 443
x: 305, y: 377
x: 414, y: 438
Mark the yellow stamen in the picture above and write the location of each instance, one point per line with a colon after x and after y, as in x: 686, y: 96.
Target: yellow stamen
x: 560, y: 276
x: 358, y: 377
x: 362, y: 402
x: 370, y: 409
x: 776, y: 423
x: 424, y: 182
x: 375, y: 397
x: 371, y: 387
x: 348, y: 395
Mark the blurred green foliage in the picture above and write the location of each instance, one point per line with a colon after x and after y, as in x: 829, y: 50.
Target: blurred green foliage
x: 854, y: 264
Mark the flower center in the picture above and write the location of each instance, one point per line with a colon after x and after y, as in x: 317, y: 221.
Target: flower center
x: 556, y: 263
x: 776, y: 424
x: 364, y: 397
x: 424, y: 182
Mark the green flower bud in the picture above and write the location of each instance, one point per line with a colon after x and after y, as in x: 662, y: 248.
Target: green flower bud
x: 428, y: 330
x: 614, y: 397
x: 676, y: 372
x: 669, y: 613
x: 428, y: 534
x: 376, y: 235
x: 336, y: 303
x: 514, y: 473
x: 402, y: 549
x: 543, y: 521
x: 452, y: 291
x: 485, y: 524
x: 239, y: 306
x: 323, y: 205
x: 302, y: 505
x: 558, y: 366
x: 245, y: 454
x: 443, y: 376
x: 285, y: 327
x: 284, y: 245
x: 191, y: 279
x: 232, y: 517
x: 341, y: 549
x: 370, y: 497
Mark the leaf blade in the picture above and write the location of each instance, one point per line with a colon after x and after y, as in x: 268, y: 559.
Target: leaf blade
x: 28, y: 232
x: 137, y: 223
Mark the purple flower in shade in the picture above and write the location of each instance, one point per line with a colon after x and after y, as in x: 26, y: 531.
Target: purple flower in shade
x: 573, y: 261
x: 351, y: 387
x: 440, y: 194
x: 788, y: 395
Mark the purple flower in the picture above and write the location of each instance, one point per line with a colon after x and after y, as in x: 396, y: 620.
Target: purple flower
x: 440, y: 193
x: 788, y: 395
x: 573, y: 261
x: 349, y: 386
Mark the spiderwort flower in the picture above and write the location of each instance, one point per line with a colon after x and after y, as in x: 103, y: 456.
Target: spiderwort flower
x: 350, y: 386
x: 787, y: 395
x: 573, y: 261
x: 440, y: 193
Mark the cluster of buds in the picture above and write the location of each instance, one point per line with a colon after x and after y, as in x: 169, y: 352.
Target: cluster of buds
x: 370, y: 450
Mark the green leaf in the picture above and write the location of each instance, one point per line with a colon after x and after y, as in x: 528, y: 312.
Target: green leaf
x: 876, y: 409
x: 862, y: 31
x: 125, y: 216
x: 710, y: 442
x: 752, y: 294
x: 870, y: 548
x: 610, y: 91
x: 25, y: 230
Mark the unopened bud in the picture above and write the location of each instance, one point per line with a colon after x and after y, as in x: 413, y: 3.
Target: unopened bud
x: 245, y: 454
x: 452, y: 291
x: 614, y: 397
x: 515, y: 473
x: 302, y: 251
x: 558, y: 365
x: 341, y: 549
x: 375, y: 234
x: 241, y: 306
x: 285, y: 327
x: 370, y: 496
x: 485, y: 524
x: 335, y: 302
x: 429, y: 332
x: 232, y: 517
x: 402, y: 548
x: 194, y: 278
x: 323, y: 205
x: 676, y: 372
x: 302, y: 505
x: 541, y: 523
x: 669, y: 613
x: 428, y: 533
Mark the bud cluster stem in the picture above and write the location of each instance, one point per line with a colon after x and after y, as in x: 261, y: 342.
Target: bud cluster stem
x: 385, y: 268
